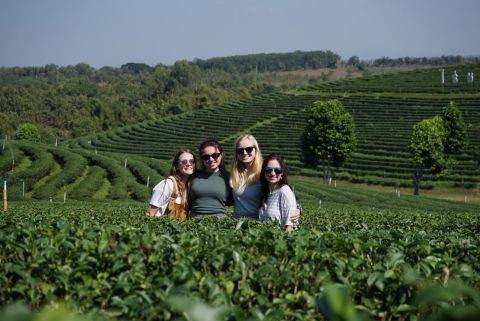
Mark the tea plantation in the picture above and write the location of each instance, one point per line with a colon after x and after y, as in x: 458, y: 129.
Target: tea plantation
x: 74, y: 234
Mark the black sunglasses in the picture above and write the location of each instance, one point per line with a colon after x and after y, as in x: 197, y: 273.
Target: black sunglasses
x: 207, y: 156
x: 249, y: 149
x: 269, y: 170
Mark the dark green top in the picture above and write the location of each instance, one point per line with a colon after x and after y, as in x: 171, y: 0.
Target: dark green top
x: 210, y: 193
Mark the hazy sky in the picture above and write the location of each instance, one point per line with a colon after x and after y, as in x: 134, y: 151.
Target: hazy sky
x: 114, y: 32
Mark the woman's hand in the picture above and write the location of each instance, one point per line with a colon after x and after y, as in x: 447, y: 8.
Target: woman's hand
x: 295, y: 216
x: 151, y: 211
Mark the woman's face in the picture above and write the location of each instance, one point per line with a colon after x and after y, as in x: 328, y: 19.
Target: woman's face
x: 186, y: 164
x: 245, y: 151
x: 273, y: 172
x: 211, y: 158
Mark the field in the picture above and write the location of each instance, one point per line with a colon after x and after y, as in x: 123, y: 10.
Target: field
x: 383, y: 254
x: 75, y: 232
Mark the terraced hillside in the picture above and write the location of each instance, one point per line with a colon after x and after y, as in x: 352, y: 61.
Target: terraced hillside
x: 385, y: 108
x: 126, y: 162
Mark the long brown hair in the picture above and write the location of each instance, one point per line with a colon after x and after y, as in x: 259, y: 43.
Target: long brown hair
x: 175, y: 173
x: 283, y: 180
x: 239, y: 172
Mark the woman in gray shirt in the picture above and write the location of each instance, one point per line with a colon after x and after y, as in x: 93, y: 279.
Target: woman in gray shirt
x: 278, y: 200
x: 209, y: 189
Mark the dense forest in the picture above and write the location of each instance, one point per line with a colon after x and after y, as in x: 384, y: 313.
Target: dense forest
x: 71, y: 101
x: 76, y: 100
x: 272, y: 62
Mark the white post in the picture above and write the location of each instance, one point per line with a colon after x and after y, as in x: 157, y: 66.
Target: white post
x: 56, y: 141
x: 125, y: 163
x: 455, y: 77
x: 64, y: 196
x: 319, y: 203
x: 23, y: 188
x: 442, y: 71
x: 148, y: 181
x: 5, y: 206
x: 335, y: 183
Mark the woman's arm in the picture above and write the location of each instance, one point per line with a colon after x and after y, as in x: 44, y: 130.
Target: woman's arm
x: 288, y: 207
x: 160, y: 197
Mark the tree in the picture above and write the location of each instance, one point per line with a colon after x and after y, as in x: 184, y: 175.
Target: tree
x: 185, y: 73
x: 353, y: 61
x: 28, y: 131
x: 427, y: 149
x: 329, y: 136
x: 455, y: 130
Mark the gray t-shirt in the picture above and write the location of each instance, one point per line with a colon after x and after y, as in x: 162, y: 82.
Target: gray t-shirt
x: 247, y: 200
x: 209, y: 193
x: 279, y: 206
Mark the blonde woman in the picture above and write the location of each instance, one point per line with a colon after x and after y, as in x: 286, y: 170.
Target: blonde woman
x: 245, y: 179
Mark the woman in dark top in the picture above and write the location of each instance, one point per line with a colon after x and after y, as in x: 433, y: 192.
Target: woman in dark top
x: 210, y: 191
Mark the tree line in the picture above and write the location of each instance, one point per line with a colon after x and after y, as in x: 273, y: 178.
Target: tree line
x: 271, y: 62
x: 412, y: 61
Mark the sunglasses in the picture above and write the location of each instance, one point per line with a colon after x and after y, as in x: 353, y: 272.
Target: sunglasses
x: 269, y: 170
x: 186, y: 162
x: 249, y: 149
x: 206, y: 157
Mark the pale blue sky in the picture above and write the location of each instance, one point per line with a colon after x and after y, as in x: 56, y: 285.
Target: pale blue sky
x: 114, y: 32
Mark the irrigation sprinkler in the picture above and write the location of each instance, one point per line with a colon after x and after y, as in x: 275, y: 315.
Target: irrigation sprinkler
x: 5, y: 206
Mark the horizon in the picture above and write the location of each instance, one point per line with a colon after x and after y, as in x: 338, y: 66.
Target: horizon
x: 343, y: 59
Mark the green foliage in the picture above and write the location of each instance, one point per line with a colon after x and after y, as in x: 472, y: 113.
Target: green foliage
x: 271, y: 62
x: 427, y: 145
x: 28, y: 132
x: 345, y: 261
x: 330, y: 133
x: 456, y: 133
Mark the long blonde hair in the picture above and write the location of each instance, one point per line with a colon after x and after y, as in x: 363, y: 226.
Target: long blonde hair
x: 239, y: 173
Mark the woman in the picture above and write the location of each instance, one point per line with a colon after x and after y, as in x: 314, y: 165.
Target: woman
x: 245, y: 179
x: 209, y: 189
x: 170, y: 195
x: 278, y: 200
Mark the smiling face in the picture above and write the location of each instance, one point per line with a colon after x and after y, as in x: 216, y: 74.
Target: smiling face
x: 211, y: 158
x: 186, y: 164
x: 245, y: 151
x: 273, y: 172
